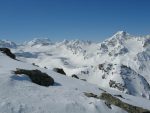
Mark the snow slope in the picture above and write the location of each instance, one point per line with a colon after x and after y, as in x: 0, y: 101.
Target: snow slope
x: 119, y: 65
x: 19, y: 95
x: 126, y: 60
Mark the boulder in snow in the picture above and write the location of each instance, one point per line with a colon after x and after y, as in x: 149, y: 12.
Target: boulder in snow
x: 59, y: 70
x: 37, y: 76
x: 75, y: 76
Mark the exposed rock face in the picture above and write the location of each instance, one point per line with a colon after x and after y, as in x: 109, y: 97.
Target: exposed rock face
x: 59, y: 70
x: 83, y: 79
x: 109, y: 100
x: 37, y: 77
x: 8, y: 52
x: 119, y: 86
x: 117, y: 102
x: 105, y: 68
x: 103, y: 48
x: 131, y: 78
x: 90, y: 95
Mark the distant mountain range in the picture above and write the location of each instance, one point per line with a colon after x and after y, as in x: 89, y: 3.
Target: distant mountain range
x: 119, y: 64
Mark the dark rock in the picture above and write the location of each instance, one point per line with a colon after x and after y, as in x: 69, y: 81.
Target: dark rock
x: 83, y: 79
x: 102, y: 89
x: 111, y: 100
x: 8, y: 52
x: 104, y: 48
x: 37, y: 76
x: 45, y: 67
x: 35, y: 65
x: 59, y: 70
x: 117, y: 102
x: 101, y: 66
x: 103, y: 76
x: 90, y: 95
x: 108, y: 105
x: 146, y: 43
x: 119, y: 96
x: 123, y: 51
x: 106, y: 68
x: 75, y: 76
x: 114, y: 84
x: 84, y: 72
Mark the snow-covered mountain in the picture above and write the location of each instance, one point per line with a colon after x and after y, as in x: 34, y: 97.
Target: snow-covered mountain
x: 8, y: 44
x: 119, y: 65
x: 120, y: 52
x: 38, y: 42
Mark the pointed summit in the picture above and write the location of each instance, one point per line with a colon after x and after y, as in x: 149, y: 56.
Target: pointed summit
x: 120, y: 34
x: 118, y: 38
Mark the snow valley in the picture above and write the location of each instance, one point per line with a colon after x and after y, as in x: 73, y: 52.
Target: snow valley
x: 108, y: 77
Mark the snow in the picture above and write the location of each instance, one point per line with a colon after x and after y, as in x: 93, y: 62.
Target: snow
x: 19, y: 95
x: 6, y: 43
x: 77, y: 56
x: 82, y: 58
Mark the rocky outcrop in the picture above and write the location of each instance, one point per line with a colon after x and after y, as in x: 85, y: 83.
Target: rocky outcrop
x: 8, y: 52
x: 114, y: 84
x: 131, y: 78
x: 75, y: 76
x: 117, y: 102
x: 90, y: 95
x: 105, y: 68
x: 59, y: 70
x: 37, y: 76
x: 111, y: 100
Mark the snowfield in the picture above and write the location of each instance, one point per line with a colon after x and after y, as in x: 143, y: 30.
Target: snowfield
x: 118, y: 66
x: 19, y: 95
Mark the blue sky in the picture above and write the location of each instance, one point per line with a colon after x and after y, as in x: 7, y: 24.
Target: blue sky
x: 94, y: 20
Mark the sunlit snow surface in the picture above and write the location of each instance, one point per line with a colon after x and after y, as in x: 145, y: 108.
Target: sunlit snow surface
x: 128, y: 55
x: 83, y: 58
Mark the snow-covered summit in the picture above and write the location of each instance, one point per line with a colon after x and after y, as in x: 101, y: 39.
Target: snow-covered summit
x: 74, y: 43
x: 118, y: 38
x: 121, y: 34
x: 39, y: 41
x: 7, y: 43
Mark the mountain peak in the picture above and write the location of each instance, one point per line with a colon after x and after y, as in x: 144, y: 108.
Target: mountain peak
x: 7, y: 43
x: 120, y: 34
x: 39, y: 41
